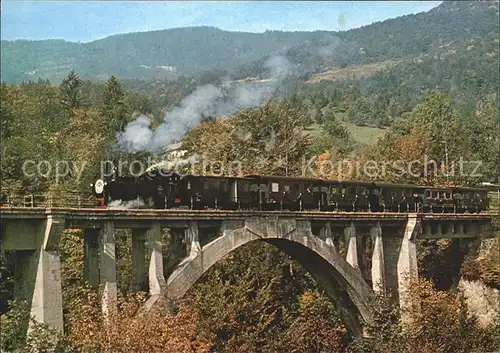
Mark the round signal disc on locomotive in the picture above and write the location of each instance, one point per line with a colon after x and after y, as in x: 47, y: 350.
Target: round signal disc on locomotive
x: 99, y: 186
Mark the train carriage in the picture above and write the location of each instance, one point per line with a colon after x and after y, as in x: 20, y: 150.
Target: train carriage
x: 399, y: 197
x: 469, y: 199
x: 348, y: 195
x: 438, y: 200
x: 169, y: 190
x: 275, y: 193
x: 215, y: 192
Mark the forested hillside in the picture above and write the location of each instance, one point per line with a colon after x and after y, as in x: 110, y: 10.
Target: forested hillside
x: 190, y: 51
x: 403, y: 90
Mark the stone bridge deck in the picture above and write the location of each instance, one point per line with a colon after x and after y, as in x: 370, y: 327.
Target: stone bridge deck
x: 84, y: 216
x: 434, y: 225
x: 172, y: 214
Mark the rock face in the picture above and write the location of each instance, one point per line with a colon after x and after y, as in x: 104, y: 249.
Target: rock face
x: 483, y: 301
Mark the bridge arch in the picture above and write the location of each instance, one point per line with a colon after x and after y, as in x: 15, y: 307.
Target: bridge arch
x: 344, y: 284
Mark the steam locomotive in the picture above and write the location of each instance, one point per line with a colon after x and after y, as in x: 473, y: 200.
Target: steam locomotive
x: 162, y: 189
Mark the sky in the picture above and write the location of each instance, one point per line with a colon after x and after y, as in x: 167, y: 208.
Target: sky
x: 80, y: 21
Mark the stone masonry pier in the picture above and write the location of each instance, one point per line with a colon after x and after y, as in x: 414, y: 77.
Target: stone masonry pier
x: 350, y: 255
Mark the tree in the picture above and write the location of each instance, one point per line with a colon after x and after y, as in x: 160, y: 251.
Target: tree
x: 74, y: 140
x: 113, y: 107
x: 360, y: 112
x: 335, y: 129
x: 69, y: 91
x: 266, y: 140
x: 274, y: 142
x: 33, y: 117
x: 485, y: 138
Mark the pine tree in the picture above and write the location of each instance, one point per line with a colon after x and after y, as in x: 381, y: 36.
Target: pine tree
x: 113, y: 107
x: 69, y: 91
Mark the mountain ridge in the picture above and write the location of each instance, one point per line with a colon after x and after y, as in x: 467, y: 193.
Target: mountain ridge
x: 190, y: 51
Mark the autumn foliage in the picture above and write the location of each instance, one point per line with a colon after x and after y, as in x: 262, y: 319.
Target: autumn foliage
x: 256, y: 299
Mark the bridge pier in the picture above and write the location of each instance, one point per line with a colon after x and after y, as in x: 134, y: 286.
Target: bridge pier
x: 407, y: 266
x: 46, y: 304
x: 108, y: 288
x: 326, y: 233
x: 139, y: 279
x: 37, y: 272
x: 176, y: 249
x: 192, y: 239
x: 157, y: 283
x: 377, y: 270
x: 351, y: 242
x: 91, y: 256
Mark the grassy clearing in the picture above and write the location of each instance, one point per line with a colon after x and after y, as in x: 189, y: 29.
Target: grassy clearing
x: 313, y: 130
x: 365, y: 135
x: 357, y: 71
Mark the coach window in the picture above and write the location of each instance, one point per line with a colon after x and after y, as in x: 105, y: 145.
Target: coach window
x: 448, y: 195
x: 275, y: 187
x: 206, y: 185
x: 189, y: 185
x: 287, y: 188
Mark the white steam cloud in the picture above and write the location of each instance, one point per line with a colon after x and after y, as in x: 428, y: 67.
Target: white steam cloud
x: 136, y: 135
x: 205, y: 101
x: 125, y: 205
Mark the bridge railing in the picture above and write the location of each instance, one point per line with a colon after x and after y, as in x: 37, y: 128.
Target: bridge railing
x: 79, y: 199
x: 49, y: 199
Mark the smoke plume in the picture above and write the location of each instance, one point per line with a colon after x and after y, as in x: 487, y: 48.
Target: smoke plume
x: 125, y: 205
x: 205, y: 101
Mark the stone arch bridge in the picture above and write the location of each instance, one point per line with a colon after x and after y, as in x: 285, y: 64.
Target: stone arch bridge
x: 350, y: 255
